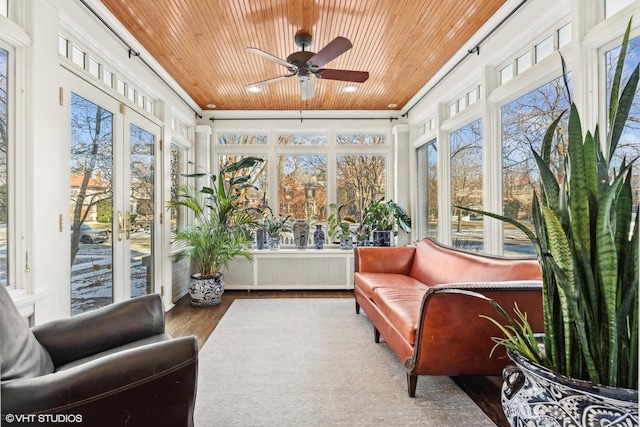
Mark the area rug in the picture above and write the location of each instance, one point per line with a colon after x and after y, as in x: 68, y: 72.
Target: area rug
x: 313, y: 362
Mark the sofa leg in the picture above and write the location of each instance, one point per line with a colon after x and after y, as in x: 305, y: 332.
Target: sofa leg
x: 412, y: 382
x: 376, y: 335
x: 357, y: 308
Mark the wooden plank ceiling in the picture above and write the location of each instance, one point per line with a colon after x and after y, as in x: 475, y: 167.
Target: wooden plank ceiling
x: 202, y: 44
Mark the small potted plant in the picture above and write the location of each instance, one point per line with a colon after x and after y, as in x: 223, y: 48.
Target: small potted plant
x: 362, y: 235
x: 274, y: 225
x: 338, y: 226
x: 382, y: 217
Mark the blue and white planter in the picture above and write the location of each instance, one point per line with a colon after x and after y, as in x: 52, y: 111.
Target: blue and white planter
x: 533, y: 395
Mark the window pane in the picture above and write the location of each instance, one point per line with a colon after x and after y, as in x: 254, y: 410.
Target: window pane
x: 242, y: 139
x: 120, y: 86
x: 141, y: 198
x: 524, y: 62
x: 91, y: 205
x: 94, y: 67
x: 544, y: 49
x: 107, y: 77
x: 77, y: 56
x: 302, y: 187
x: 564, y: 35
x: 613, y: 6
x: 4, y: 8
x: 253, y: 197
x: 462, y: 103
x: 466, y: 185
x: 427, y: 224
x: 524, y: 123
x: 131, y: 93
x: 365, y: 139
x: 302, y: 140
x: 473, y: 96
x: 361, y: 180
x: 629, y: 143
x: 506, y: 74
x: 178, y: 160
x: 4, y: 182
x: 63, y: 46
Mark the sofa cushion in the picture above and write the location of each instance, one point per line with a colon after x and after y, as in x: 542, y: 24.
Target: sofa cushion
x: 402, y: 307
x: 455, y: 266
x: 368, y: 282
x: 21, y: 355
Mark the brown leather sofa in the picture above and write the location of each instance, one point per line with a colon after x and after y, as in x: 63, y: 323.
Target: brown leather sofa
x: 114, y: 366
x: 418, y: 299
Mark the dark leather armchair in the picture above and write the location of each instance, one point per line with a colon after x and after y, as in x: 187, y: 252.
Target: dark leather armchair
x: 114, y: 366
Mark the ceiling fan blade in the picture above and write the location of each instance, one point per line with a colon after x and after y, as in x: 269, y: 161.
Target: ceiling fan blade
x: 306, y: 87
x: 264, y: 82
x: 335, y: 48
x: 343, y: 75
x: 269, y: 57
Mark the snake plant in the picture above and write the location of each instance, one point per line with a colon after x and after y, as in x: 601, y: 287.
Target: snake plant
x: 586, y: 240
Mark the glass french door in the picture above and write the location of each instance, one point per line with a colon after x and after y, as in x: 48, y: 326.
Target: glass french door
x: 113, y: 198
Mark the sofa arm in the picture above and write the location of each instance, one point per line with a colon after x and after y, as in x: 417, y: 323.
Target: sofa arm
x: 479, y: 287
x: 149, y: 385
x: 450, y: 324
x: 396, y: 259
x: 98, y: 330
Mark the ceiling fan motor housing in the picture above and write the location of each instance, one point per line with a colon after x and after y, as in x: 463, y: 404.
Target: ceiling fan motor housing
x: 299, y: 59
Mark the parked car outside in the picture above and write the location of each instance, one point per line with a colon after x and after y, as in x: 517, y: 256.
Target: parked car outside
x: 92, y: 235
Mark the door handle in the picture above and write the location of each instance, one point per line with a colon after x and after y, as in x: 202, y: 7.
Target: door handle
x: 127, y: 225
x: 120, y: 226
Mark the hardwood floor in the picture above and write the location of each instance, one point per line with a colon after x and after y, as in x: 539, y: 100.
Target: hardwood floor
x: 183, y: 319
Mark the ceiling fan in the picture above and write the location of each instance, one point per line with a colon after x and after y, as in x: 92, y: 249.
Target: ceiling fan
x: 304, y: 64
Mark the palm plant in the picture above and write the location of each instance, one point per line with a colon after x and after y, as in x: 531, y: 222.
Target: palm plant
x: 586, y: 240
x: 222, y: 226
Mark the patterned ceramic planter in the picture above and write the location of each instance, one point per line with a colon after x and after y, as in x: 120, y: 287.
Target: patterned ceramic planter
x: 533, y: 395
x: 206, y: 291
x: 381, y: 238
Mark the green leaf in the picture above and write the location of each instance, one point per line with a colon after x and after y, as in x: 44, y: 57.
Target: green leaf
x: 578, y: 179
x: 550, y: 186
x: 607, y: 267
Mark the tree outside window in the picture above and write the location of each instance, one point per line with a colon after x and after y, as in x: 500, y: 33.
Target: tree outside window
x: 427, y: 218
x: 524, y: 123
x: 302, y: 187
x: 466, y: 185
x: 629, y: 144
x: 360, y: 178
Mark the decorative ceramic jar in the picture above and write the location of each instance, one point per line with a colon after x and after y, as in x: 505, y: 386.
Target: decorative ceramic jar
x: 381, y: 238
x: 301, y: 233
x: 533, y: 395
x: 318, y: 237
x: 274, y: 241
x: 346, y: 242
x: 206, y: 291
x: 260, y: 238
